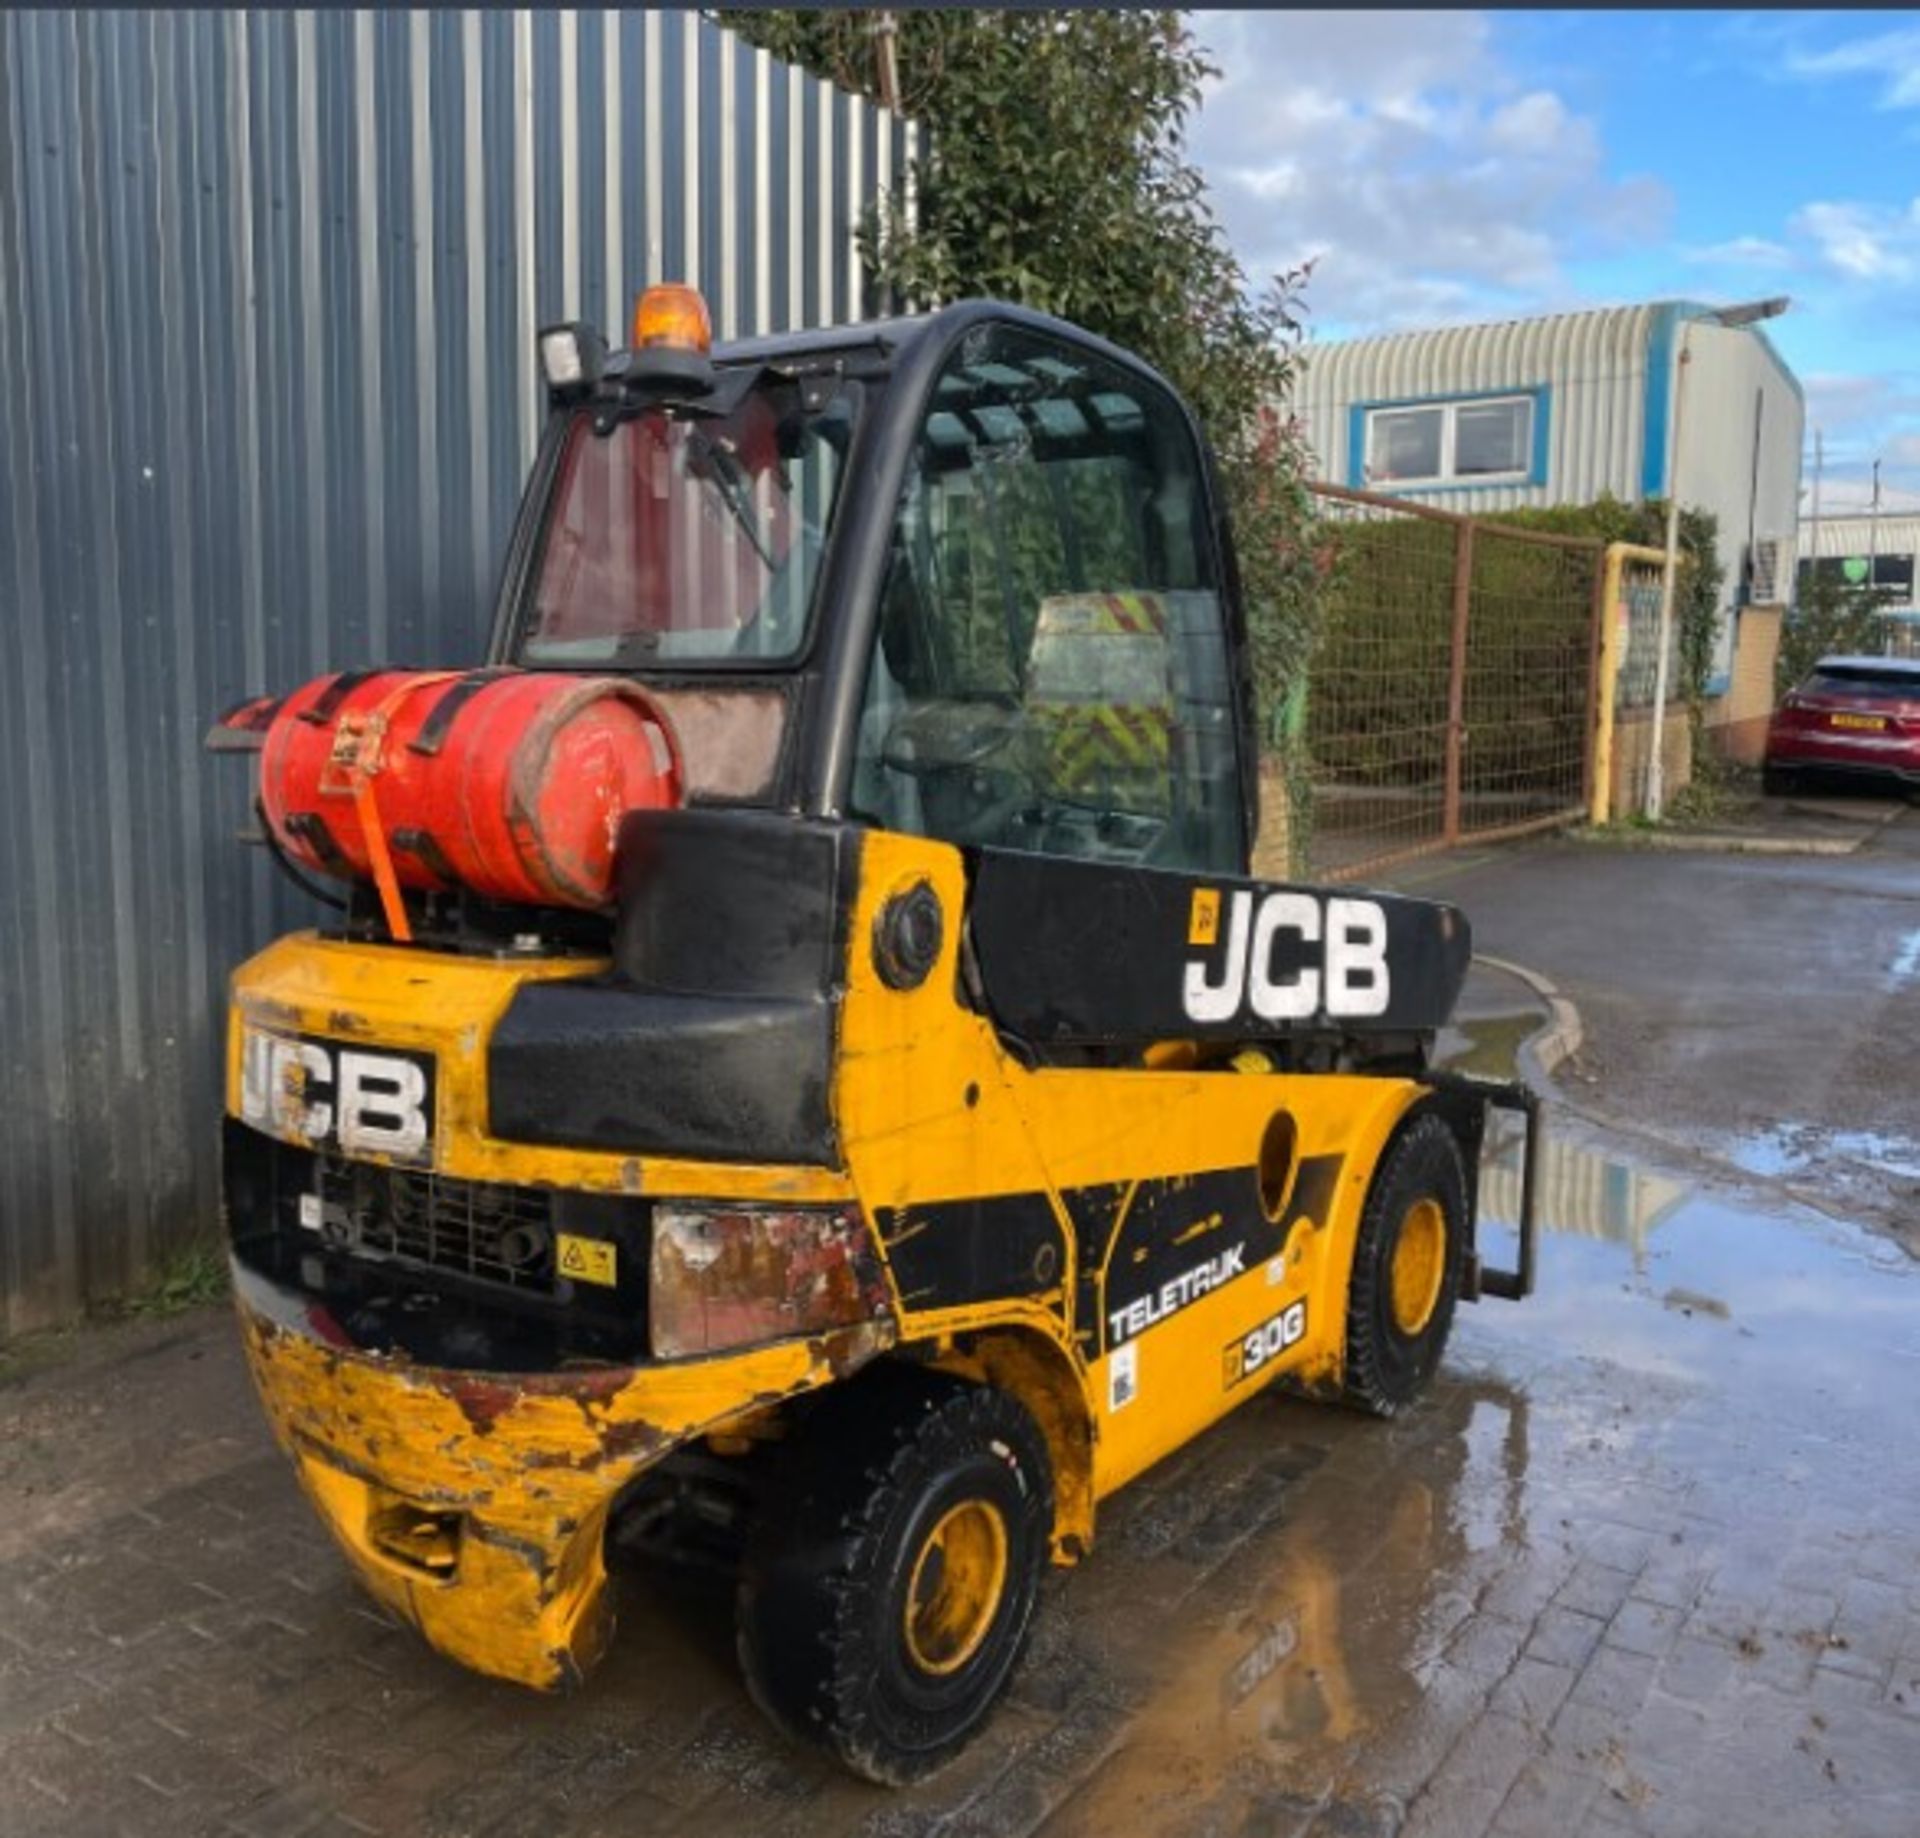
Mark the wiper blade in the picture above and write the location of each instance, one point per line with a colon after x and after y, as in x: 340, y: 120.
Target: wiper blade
x: 711, y: 459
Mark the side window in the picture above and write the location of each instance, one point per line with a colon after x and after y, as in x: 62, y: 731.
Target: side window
x: 1051, y: 672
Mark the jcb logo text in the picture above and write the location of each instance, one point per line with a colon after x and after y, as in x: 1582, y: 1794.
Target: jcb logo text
x: 1286, y: 959
x: 318, y: 1094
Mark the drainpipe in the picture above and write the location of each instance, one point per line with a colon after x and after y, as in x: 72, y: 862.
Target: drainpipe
x: 1657, y: 765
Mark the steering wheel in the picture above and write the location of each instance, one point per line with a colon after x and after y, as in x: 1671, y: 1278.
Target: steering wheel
x: 937, y: 737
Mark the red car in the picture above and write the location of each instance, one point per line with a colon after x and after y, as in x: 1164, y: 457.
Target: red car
x: 1854, y: 715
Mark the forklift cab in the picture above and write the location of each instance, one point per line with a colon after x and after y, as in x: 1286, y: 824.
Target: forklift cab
x: 960, y: 576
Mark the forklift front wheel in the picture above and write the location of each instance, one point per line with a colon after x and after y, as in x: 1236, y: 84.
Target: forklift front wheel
x: 1407, y: 1267
x: 890, y: 1584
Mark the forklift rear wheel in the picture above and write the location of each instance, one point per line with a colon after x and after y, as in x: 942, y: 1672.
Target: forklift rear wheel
x: 1407, y: 1267
x: 890, y: 1584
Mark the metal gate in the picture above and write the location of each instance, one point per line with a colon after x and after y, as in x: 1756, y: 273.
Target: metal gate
x: 1451, y: 697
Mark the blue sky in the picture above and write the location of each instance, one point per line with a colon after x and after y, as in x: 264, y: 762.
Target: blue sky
x: 1449, y: 166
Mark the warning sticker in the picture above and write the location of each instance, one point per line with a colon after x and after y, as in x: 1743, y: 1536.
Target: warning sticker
x: 587, y: 1260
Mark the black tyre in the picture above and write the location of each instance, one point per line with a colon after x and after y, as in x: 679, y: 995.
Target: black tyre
x: 1406, y: 1268
x: 1779, y: 781
x: 888, y: 1590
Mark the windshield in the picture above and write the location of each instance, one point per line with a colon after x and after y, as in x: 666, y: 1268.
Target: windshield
x: 1891, y: 684
x: 688, y: 539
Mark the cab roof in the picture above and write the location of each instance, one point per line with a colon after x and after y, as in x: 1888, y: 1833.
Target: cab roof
x: 1891, y: 666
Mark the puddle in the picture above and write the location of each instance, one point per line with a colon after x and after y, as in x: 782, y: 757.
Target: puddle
x: 1319, y: 1640
x: 1487, y: 1046
x: 1640, y: 1268
x: 1792, y: 1149
x: 1691, y: 1302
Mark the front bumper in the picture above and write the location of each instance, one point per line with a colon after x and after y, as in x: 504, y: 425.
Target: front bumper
x: 475, y: 1504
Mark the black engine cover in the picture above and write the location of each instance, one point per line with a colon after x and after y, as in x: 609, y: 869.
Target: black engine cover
x: 1092, y: 953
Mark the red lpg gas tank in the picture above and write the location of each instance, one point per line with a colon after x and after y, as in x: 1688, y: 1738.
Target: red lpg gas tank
x: 509, y: 783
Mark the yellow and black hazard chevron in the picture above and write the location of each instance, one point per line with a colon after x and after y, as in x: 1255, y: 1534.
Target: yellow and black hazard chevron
x: 1101, y: 697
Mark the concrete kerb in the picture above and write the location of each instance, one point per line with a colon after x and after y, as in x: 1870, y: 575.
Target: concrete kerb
x: 1866, y: 821
x: 1722, y: 842
x: 1552, y: 1045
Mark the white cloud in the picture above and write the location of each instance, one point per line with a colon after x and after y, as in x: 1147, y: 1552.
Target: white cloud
x: 1891, y: 57
x: 1537, y: 125
x: 1864, y: 242
x: 1849, y: 491
x: 1752, y: 252
x: 1842, y: 403
x: 1427, y: 178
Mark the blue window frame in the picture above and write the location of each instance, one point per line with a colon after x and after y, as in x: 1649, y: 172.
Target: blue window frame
x: 1468, y: 442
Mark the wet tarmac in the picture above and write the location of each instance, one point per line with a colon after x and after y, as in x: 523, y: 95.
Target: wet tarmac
x: 1753, y: 1010
x: 1647, y: 1560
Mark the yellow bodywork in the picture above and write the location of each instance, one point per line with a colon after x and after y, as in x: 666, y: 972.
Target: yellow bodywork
x: 475, y: 1504
x: 530, y: 1466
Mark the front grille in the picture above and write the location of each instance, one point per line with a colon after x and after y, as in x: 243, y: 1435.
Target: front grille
x: 495, y: 1233
x: 444, y: 1271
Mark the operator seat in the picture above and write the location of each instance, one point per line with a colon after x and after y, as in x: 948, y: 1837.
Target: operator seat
x: 1103, y: 701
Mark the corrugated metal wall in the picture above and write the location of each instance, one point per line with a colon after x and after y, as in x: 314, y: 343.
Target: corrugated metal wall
x: 1595, y: 364
x: 268, y: 290
x: 1852, y: 533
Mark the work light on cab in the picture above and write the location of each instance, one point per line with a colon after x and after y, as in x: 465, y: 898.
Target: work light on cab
x: 572, y: 359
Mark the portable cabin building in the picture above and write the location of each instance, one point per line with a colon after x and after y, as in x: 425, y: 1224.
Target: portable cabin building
x: 1565, y: 408
x: 1860, y: 549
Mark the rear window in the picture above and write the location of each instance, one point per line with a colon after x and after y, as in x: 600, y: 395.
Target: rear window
x: 1864, y: 680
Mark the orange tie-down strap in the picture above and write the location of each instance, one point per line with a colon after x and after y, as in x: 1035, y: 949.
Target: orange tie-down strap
x: 359, y: 747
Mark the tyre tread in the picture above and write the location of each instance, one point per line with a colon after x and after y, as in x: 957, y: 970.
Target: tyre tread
x: 1369, y: 1383
x: 818, y: 1554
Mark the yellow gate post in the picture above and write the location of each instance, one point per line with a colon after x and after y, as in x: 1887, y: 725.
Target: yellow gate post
x: 1613, y: 630
x: 1600, y: 807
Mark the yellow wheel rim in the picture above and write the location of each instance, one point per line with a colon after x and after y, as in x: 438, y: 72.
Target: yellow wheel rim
x: 1419, y: 1262
x: 958, y: 1580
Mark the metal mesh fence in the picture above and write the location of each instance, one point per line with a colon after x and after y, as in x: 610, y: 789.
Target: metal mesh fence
x: 1450, y: 696
x: 1529, y: 672
x: 1640, y: 655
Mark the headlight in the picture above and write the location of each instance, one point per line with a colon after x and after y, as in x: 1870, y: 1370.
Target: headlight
x: 731, y: 1276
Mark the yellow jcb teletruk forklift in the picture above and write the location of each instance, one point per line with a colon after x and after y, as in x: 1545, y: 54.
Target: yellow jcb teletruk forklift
x: 799, y: 1057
